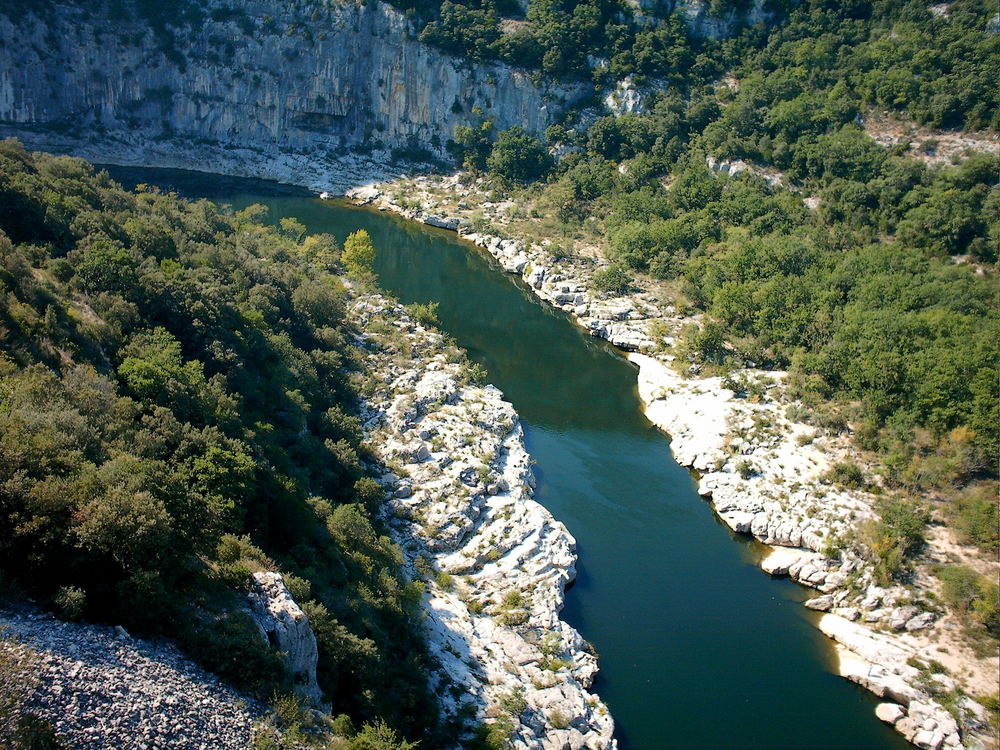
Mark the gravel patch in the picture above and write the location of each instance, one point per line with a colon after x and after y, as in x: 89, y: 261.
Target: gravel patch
x: 103, y: 689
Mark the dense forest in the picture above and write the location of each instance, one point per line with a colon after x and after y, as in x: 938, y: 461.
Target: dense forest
x: 175, y: 414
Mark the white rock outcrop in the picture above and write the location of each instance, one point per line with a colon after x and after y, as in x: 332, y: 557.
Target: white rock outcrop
x: 321, y: 95
x: 495, y: 562
x: 284, y: 626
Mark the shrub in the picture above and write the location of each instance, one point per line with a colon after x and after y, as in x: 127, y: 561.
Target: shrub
x: 514, y: 702
x: 424, y: 314
x: 474, y: 373
x: 558, y: 720
x: 613, y: 279
x: 70, y: 601
x: 894, y: 537
x: 846, y: 474
x: 517, y: 156
x: 493, y: 736
x: 971, y: 596
x: 379, y: 736
x: 974, y: 515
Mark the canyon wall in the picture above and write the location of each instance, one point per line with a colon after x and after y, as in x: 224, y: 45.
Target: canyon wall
x: 328, y: 80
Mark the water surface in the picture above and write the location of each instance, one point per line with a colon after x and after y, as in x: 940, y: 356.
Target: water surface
x: 699, y: 649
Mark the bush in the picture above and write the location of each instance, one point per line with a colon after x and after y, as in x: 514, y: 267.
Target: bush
x: 359, y: 252
x: 889, y: 541
x: 424, y: 314
x: 379, y: 736
x: 613, y: 279
x: 973, y: 597
x: 846, y: 474
x: 517, y: 156
x: 70, y: 601
x: 973, y: 513
x: 558, y: 720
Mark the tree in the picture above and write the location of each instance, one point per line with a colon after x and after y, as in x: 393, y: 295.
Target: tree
x: 359, y: 252
x: 518, y: 156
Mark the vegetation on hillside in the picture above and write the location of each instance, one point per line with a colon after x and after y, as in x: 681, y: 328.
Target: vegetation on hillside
x: 175, y: 414
x: 881, y: 300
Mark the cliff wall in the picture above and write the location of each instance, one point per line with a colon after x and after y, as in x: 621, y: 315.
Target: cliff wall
x: 331, y: 80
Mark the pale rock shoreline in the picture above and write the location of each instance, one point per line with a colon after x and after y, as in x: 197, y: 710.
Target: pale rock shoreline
x: 763, y: 473
x: 495, y: 562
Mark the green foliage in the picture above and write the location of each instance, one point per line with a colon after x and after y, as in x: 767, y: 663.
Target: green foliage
x: 71, y: 601
x: 424, y: 313
x: 517, y: 156
x: 359, y: 252
x: 973, y: 513
x: 493, y: 736
x: 558, y: 720
x: 379, y: 736
x: 613, y: 279
x: 897, y: 535
x: 175, y: 415
x: 973, y: 597
x: 847, y: 474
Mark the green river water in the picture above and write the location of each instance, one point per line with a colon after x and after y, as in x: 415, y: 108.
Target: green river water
x: 699, y: 649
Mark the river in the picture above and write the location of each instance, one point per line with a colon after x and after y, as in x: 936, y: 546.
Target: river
x: 699, y: 649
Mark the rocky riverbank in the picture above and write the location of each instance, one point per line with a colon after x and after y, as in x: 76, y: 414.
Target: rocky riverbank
x: 495, y: 562
x: 768, y: 474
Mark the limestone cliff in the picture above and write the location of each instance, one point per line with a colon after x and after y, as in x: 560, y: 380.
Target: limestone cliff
x: 270, y: 76
x: 284, y: 626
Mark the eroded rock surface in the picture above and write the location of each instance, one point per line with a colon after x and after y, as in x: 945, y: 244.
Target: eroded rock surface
x: 284, y: 626
x: 317, y: 95
x: 496, y: 563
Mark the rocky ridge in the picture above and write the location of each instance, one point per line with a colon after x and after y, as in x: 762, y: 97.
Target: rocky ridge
x: 102, y: 688
x: 495, y: 562
x: 764, y: 472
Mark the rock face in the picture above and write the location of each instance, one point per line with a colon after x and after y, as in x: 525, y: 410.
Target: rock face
x: 494, y: 561
x: 284, y: 626
x: 103, y: 689
x: 274, y: 78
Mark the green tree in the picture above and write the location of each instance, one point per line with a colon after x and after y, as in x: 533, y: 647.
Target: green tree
x: 518, y: 156
x: 359, y: 252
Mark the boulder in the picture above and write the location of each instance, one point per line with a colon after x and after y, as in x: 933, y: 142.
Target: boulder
x: 890, y: 713
x: 820, y: 603
x: 284, y: 626
x: 921, y: 621
x: 902, y: 615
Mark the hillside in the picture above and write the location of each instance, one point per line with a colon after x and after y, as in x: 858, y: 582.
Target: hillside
x: 176, y: 414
